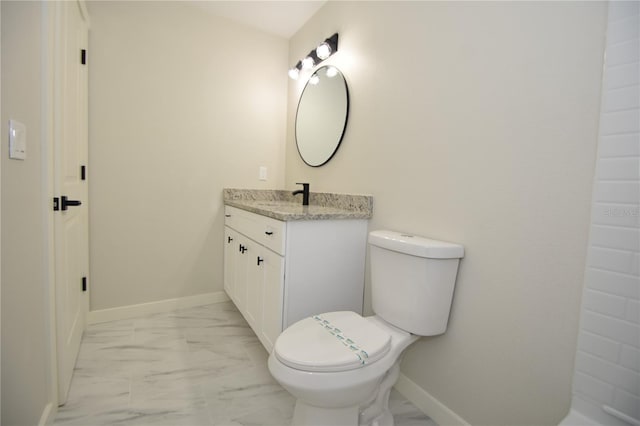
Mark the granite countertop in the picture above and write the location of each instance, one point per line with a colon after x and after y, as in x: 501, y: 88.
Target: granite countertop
x: 282, y: 205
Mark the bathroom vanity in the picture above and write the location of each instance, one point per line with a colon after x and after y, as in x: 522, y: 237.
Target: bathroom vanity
x: 284, y: 261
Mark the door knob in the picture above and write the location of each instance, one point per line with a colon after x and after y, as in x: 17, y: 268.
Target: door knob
x: 65, y: 203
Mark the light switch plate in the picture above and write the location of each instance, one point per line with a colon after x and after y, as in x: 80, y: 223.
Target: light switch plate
x: 17, y: 140
x: 263, y: 173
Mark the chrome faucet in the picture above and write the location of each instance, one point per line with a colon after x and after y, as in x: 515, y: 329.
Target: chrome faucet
x: 304, y: 191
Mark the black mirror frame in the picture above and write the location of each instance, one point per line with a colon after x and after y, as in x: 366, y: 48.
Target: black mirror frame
x: 344, y: 128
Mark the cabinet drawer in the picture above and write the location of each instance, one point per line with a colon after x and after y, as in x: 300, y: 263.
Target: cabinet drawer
x: 270, y: 233
x: 238, y: 220
x: 264, y: 230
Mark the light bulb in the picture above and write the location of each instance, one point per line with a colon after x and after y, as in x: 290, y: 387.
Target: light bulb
x: 294, y: 73
x: 323, y: 51
x: 332, y: 72
x: 307, y: 63
x: 314, y: 79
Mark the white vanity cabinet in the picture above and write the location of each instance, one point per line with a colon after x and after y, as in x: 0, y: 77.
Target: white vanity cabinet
x: 278, y: 272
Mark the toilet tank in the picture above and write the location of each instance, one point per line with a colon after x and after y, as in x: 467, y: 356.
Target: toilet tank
x: 412, y: 280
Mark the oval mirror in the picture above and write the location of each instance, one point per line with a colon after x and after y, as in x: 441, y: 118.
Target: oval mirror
x: 322, y: 114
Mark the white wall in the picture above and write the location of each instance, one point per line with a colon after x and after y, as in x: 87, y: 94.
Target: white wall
x: 25, y: 320
x: 182, y: 104
x: 0, y: 222
x: 607, y: 371
x: 476, y: 123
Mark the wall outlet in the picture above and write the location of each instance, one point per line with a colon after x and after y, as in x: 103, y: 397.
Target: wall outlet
x: 262, y: 174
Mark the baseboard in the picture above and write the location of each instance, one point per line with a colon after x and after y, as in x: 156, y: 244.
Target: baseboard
x: 48, y: 415
x: 132, y: 311
x: 440, y: 413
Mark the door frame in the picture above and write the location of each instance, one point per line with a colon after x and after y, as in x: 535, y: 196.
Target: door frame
x: 50, y: 33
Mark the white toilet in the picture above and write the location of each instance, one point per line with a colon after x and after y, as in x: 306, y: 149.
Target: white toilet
x: 341, y: 366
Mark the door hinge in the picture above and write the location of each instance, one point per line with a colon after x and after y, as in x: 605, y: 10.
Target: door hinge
x: 83, y: 56
x: 84, y: 283
x: 83, y: 172
x: 56, y: 204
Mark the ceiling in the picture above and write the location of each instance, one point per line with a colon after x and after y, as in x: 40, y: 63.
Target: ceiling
x: 282, y: 18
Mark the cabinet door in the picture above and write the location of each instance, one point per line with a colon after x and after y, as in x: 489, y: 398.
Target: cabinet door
x: 255, y: 285
x: 230, y: 250
x: 272, y: 298
x: 244, y: 249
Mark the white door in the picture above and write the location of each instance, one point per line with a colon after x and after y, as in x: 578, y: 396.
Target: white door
x: 71, y: 218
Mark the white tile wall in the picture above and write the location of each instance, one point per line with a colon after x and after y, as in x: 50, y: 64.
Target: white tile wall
x: 606, y: 383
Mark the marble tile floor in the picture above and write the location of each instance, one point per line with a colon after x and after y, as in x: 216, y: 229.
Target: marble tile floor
x: 196, y: 366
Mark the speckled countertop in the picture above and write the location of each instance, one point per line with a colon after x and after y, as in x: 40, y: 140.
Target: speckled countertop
x: 282, y: 205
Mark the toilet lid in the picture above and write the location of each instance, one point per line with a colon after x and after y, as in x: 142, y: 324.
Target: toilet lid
x: 333, y: 341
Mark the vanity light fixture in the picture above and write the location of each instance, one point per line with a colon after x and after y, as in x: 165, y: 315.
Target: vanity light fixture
x: 317, y: 55
x: 295, y: 71
x: 323, y: 51
x: 308, y: 62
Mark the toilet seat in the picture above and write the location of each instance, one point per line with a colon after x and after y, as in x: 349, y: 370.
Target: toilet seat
x: 332, y: 342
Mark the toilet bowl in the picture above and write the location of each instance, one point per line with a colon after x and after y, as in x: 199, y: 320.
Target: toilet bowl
x: 341, y: 366
x: 336, y: 381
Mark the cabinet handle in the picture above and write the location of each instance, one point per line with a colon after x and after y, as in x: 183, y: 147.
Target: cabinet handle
x: 260, y: 260
x: 268, y: 232
x: 229, y: 239
x: 227, y: 215
x: 243, y: 249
